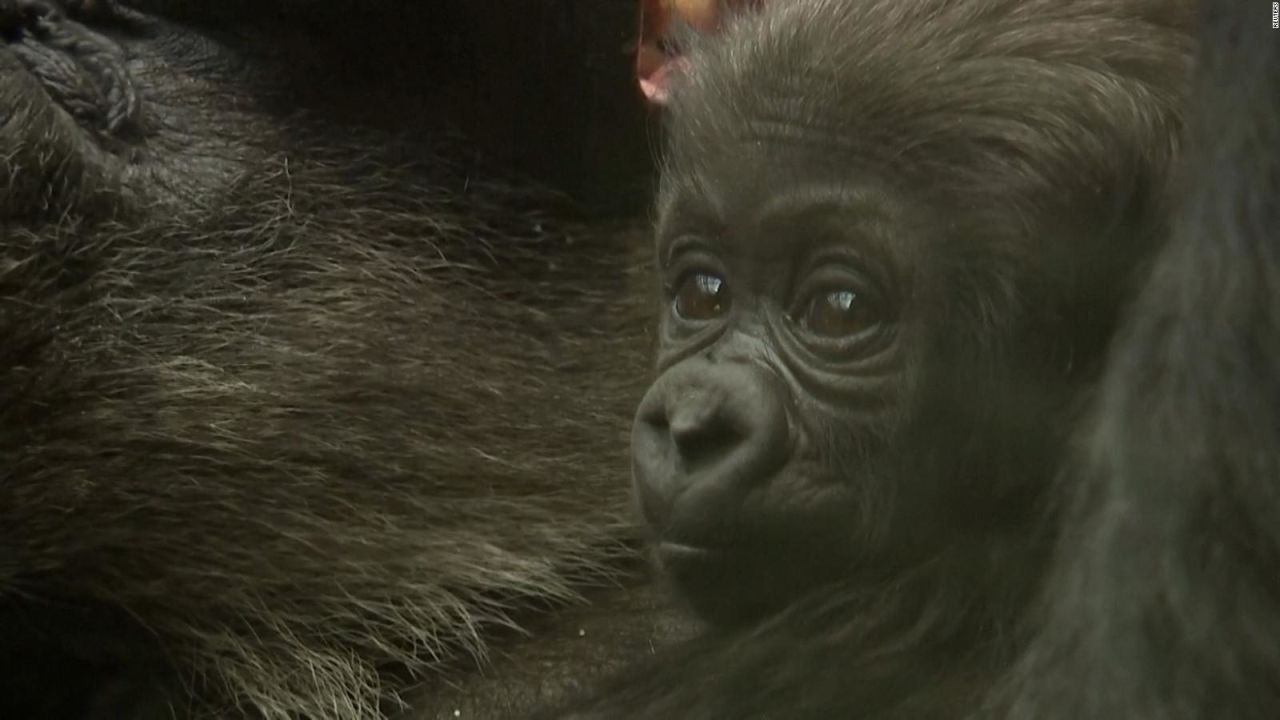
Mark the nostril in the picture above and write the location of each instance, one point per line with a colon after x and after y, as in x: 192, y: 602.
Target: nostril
x: 701, y: 434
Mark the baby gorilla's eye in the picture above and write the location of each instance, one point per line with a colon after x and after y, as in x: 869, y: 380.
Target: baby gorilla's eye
x: 701, y: 296
x: 838, y: 313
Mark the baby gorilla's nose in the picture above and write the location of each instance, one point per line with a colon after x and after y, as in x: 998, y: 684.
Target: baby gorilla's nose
x: 705, y: 425
x: 705, y: 433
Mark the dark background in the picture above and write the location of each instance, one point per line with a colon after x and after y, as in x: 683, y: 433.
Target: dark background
x: 544, y: 88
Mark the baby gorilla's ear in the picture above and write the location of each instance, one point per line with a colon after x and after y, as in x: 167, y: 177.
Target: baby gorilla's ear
x: 666, y: 26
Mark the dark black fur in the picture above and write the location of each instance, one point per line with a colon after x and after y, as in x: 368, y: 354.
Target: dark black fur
x: 293, y: 413
x: 1033, y: 146
x: 1166, y: 599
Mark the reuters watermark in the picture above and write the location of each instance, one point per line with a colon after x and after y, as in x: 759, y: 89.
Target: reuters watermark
x: 1275, y: 16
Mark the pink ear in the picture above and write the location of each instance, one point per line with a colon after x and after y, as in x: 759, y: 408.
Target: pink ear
x: 654, y: 84
x: 651, y: 60
x: 655, y: 62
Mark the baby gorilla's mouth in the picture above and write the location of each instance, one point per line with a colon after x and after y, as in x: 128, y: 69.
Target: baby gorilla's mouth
x: 732, y: 585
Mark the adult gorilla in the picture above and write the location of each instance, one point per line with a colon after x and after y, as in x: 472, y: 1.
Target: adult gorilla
x: 293, y: 410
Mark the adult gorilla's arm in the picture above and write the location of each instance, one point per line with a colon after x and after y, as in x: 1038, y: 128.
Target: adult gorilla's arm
x: 294, y: 403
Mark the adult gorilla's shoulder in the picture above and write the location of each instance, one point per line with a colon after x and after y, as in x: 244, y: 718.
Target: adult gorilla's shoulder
x: 296, y: 407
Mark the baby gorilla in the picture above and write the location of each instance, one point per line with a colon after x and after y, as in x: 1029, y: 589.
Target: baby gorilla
x: 894, y: 239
